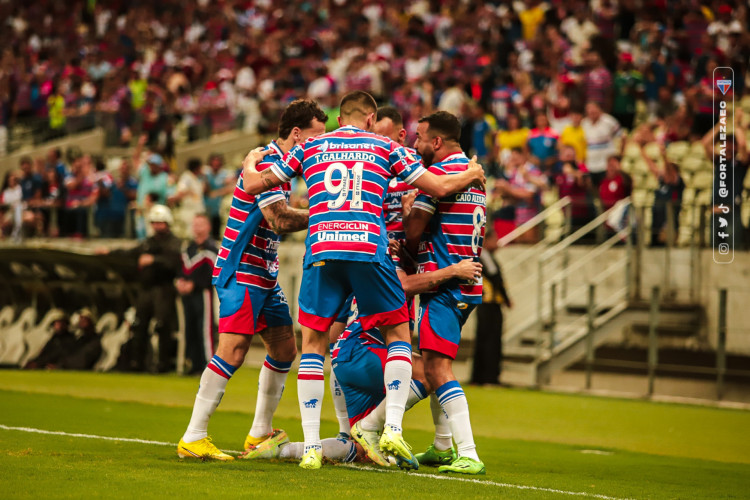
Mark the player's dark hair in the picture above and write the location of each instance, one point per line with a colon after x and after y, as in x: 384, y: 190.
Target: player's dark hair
x: 358, y: 102
x: 194, y: 164
x: 300, y: 113
x: 391, y: 113
x: 444, y: 125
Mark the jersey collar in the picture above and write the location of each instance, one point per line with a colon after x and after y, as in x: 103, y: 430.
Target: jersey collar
x: 276, y: 148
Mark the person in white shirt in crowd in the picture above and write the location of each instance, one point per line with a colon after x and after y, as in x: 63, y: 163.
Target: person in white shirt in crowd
x: 600, y: 130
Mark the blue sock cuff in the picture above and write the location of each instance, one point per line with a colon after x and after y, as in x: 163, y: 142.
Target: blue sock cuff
x: 278, y: 365
x: 225, y: 367
x: 398, y: 345
x: 418, y: 388
x: 449, y: 391
x: 312, y: 357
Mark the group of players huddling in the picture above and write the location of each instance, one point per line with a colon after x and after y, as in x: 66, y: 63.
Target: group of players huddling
x: 385, y: 223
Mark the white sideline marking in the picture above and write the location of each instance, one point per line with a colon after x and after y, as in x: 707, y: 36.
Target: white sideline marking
x: 596, y: 452
x: 488, y: 483
x: 358, y: 467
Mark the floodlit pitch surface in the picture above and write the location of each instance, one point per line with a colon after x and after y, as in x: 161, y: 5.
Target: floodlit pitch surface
x: 534, y: 444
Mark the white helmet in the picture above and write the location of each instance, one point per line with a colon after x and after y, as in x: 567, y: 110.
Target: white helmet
x: 160, y: 213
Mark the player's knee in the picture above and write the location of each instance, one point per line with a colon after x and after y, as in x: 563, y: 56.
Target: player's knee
x: 285, y: 351
x: 233, y: 348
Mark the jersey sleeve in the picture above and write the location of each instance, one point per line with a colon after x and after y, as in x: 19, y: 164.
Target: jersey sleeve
x: 404, y: 165
x: 271, y: 196
x: 290, y: 165
x: 425, y: 202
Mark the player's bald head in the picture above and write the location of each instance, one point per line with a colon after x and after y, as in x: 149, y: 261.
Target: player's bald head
x: 357, y: 106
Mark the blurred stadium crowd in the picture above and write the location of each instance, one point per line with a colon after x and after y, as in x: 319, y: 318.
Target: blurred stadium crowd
x: 597, y: 100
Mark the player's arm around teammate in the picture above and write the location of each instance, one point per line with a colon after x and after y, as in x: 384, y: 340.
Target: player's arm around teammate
x: 251, y: 300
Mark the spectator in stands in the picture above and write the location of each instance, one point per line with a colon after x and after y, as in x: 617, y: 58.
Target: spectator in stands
x: 113, y: 201
x: 194, y: 286
x: 219, y: 183
x: 542, y: 142
x: 52, y: 202
x: 152, y: 179
x: 56, y: 113
x: 597, y: 81
x: 574, y: 136
x: 488, y: 344
x: 600, y: 130
x: 482, y: 134
x: 513, y: 137
x: 57, y: 347
x: 11, y: 202
x: 87, y: 348
x: 572, y: 179
x: 31, y: 182
x: 521, y: 191
x: 616, y: 184
x: 55, y: 161
x: 159, y: 263
x: 628, y: 85
x: 669, y: 193
x: 80, y: 195
x: 188, y: 196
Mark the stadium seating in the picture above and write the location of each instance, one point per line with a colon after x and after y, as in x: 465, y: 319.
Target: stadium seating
x: 14, y: 347
x: 37, y: 336
x: 113, y: 337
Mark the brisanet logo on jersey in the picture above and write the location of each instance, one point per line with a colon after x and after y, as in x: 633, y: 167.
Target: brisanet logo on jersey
x: 724, y: 204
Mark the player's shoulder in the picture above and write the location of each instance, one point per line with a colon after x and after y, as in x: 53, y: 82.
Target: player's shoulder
x: 454, y: 163
x: 275, y: 155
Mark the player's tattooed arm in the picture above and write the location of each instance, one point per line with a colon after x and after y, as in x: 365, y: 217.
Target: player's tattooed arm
x: 284, y: 219
x: 256, y: 182
x: 466, y: 270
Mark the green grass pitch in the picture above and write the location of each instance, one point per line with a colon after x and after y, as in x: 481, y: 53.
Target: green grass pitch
x: 534, y: 444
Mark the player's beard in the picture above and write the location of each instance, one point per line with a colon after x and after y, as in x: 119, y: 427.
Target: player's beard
x: 428, y: 154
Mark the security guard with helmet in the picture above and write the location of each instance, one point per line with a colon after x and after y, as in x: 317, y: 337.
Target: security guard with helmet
x: 159, y: 263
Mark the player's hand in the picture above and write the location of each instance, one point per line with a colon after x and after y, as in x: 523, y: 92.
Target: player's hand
x: 394, y: 247
x: 477, y: 171
x: 145, y: 260
x: 101, y: 250
x: 184, y: 287
x: 253, y: 158
x: 468, y: 270
x: 407, y: 201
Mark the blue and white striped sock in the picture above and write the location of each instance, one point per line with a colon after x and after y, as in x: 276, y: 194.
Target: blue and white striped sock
x: 310, y: 390
x: 270, y: 388
x: 211, y: 390
x: 453, y: 401
x: 375, y: 420
x: 396, y: 376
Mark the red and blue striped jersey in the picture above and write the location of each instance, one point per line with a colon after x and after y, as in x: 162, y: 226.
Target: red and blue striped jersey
x: 456, y: 230
x: 353, y: 339
x: 347, y: 172
x: 392, y: 203
x: 259, y: 265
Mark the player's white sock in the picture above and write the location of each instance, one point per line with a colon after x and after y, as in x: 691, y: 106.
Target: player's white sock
x: 339, y: 404
x: 210, y: 391
x: 333, y: 449
x: 375, y: 420
x: 396, y: 376
x: 453, y: 401
x: 270, y: 387
x: 443, y: 437
x: 310, y: 390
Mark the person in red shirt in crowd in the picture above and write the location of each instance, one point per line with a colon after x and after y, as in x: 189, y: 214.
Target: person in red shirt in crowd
x: 616, y: 185
x: 572, y: 179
